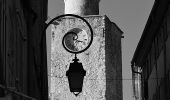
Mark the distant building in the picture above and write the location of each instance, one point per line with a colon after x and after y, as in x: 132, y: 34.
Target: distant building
x: 136, y: 82
x: 152, y: 56
x: 22, y: 49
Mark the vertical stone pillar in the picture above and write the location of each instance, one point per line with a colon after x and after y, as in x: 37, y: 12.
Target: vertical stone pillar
x: 82, y: 7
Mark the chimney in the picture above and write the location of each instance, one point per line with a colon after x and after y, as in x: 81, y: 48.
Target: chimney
x: 82, y: 7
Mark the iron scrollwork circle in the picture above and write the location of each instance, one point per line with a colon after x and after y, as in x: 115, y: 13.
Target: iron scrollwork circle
x: 74, y: 37
x: 72, y: 15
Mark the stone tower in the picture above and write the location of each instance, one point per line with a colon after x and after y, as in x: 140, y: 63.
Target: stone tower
x: 102, y: 61
x: 82, y: 7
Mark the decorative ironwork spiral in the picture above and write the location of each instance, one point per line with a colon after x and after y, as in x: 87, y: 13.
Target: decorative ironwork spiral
x: 78, y: 40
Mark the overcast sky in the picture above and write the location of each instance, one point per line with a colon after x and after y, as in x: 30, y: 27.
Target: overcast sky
x: 131, y: 17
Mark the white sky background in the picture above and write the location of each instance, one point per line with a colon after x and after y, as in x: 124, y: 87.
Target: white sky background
x: 131, y: 17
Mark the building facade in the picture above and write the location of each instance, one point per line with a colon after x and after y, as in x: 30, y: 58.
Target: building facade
x: 152, y: 55
x: 23, y: 70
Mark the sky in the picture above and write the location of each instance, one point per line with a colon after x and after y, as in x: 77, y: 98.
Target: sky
x: 131, y: 17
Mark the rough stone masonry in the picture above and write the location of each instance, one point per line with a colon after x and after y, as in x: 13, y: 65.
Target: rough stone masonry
x: 102, y: 61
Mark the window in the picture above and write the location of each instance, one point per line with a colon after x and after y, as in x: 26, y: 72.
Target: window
x: 165, y: 28
x: 156, y: 47
x: 160, y: 39
x: 146, y: 90
x: 152, y: 54
x: 169, y: 83
x: 1, y: 77
x: 1, y: 63
x: 168, y: 21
